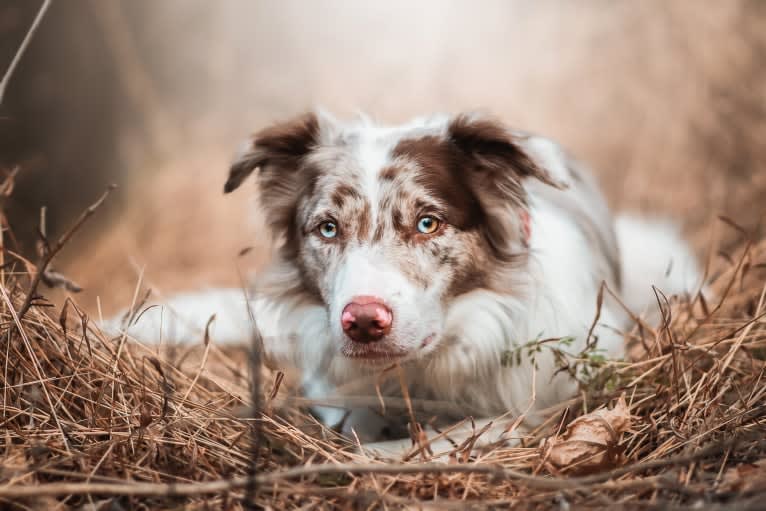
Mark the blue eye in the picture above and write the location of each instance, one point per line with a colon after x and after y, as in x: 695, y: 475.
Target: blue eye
x: 328, y: 229
x: 428, y: 224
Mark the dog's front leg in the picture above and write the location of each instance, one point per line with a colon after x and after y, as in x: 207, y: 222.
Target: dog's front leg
x: 357, y: 423
x: 464, y: 436
x: 184, y: 318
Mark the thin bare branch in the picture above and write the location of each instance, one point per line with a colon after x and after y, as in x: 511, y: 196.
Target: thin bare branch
x: 51, y: 253
x: 23, y: 47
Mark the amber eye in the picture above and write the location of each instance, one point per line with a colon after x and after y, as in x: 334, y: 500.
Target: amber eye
x: 428, y: 224
x: 328, y: 229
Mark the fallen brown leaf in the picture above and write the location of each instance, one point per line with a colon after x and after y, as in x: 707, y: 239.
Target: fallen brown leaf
x: 590, y: 443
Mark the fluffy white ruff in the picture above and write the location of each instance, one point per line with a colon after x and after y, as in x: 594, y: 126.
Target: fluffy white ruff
x: 557, y: 299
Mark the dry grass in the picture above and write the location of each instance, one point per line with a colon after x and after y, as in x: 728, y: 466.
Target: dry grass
x: 92, y: 422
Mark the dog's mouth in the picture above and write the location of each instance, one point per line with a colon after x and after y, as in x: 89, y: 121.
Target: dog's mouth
x: 381, y: 352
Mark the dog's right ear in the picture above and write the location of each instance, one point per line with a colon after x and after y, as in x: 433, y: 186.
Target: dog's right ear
x: 281, y: 147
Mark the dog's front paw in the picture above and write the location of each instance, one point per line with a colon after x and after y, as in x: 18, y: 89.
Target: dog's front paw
x: 440, y: 449
x: 389, y: 449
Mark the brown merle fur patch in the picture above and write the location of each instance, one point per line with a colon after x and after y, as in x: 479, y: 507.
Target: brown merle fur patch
x: 470, y: 179
x: 279, y: 146
x: 478, y: 178
x: 279, y: 152
x: 430, y: 176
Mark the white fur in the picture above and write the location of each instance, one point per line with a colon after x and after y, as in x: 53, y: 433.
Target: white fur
x: 183, y: 318
x: 554, y: 296
x: 371, y: 156
x: 654, y: 254
x: 365, y: 272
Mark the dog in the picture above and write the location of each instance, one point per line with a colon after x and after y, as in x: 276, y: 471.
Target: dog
x: 451, y: 260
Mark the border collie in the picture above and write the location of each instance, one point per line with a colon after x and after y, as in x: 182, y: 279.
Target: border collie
x: 440, y: 248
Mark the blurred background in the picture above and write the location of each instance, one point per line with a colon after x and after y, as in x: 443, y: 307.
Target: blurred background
x: 666, y: 100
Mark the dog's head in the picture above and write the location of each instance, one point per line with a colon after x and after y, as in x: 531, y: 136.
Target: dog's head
x: 388, y: 225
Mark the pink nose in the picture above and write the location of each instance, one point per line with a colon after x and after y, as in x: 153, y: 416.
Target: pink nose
x: 366, y: 319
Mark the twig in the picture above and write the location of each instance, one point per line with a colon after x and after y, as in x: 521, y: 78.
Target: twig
x: 599, y: 302
x: 22, y: 48
x: 204, y: 358
x: 255, y: 359
x: 56, y: 248
x: 200, y: 488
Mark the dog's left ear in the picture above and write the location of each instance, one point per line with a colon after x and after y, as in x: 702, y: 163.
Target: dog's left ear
x: 281, y: 146
x: 495, y: 162
x: 496, y: 152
